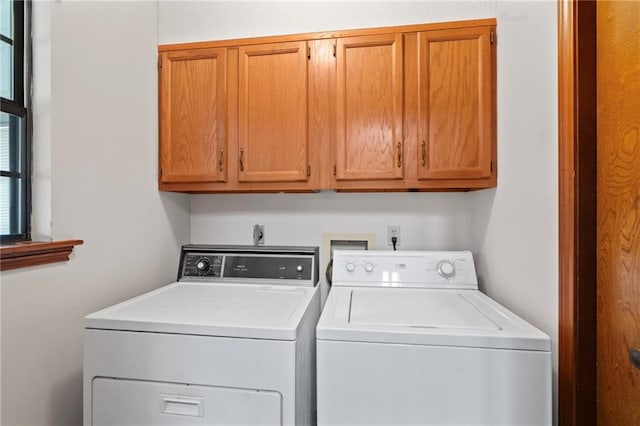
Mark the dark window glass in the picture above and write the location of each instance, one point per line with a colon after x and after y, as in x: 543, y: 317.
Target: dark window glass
x: 15, y: 175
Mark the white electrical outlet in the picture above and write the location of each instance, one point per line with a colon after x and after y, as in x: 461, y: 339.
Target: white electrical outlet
x: 393, y: 231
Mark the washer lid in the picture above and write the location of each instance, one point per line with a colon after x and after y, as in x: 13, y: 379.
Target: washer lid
x: 228, y: 310
x: 417, y: 309
x: 465, y: 318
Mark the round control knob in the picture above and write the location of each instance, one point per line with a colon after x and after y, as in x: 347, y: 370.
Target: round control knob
x: 299, y: 268
x: 368, y: 267
x: 203, y: 265
x: 350, y: 266
x: 446, y: 269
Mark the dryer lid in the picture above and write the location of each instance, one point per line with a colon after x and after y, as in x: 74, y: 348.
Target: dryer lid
x: 437, y: 317
x: 227, y: 310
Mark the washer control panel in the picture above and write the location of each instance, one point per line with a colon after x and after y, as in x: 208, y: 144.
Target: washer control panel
x: 249, y: 264
x: 446, y: 269
x: 413, y: 269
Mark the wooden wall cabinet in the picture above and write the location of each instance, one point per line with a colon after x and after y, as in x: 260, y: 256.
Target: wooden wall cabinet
x: 369, y: 107
x: 193, y: 111
x: 273, y: 113
x: 236, y: 119
x: 389, y: 109
x: 455, y: 109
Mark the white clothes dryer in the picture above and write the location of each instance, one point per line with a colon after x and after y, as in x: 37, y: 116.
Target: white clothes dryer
x: 406, y: 338
x: 232, y: 342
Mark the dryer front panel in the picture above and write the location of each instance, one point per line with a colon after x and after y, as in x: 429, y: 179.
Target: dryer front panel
x: 119, y: 402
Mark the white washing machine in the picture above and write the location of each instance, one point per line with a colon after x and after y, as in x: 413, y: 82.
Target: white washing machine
x: 232, y: 342
x: 406, y: 338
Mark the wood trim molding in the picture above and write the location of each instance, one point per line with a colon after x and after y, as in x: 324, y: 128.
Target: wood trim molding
x: 577, y: 213
x: 566, y: 205
x: 23, y: 255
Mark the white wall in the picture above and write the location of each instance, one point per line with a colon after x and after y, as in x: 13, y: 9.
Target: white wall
x: 103, y: 164
x: 515, y: 227
x: 427, y: 221
x: 185, y: 21
x: 512, y: 229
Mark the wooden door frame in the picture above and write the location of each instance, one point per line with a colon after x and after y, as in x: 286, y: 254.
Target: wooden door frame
x: 577, y: 212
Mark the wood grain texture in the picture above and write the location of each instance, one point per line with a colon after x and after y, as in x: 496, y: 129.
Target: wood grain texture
x: 273, y: 112
x: 192, y: 116
x: 411, y: 107
x: 577, y: 213
x: 618, y: 46
x: 35, y: 253
x: 456, y: 110
x: 381, y: 113
x: 369, y: 139
x: 322, y: 86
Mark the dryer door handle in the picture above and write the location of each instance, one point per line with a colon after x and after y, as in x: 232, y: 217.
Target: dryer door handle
x: 182, y: 405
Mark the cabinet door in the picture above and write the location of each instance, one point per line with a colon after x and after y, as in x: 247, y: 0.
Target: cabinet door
x: 369, y: 108
x: 456, y: 135
x: 192, y: 116
x: 273, y: 113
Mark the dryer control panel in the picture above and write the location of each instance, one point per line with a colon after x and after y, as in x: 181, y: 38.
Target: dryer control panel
x: 404, y: 268
x: 202, y: 265
x: 249, y: 264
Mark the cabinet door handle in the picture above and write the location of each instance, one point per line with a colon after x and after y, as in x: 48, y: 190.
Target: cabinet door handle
x: 241, y: 159
x: 423, y: 146
x: 221, y: 160
x: 399, y: 146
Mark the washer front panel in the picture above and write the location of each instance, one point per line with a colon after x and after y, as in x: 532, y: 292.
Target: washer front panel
x: 375, y: 384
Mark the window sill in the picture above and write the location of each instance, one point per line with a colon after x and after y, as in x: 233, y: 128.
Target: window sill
x: 23, y: 255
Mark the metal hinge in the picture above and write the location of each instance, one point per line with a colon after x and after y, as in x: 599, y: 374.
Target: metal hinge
x: 335, y: 50
x: 491, y: 167
x: 334, y: 169
x: 308, y: 52
x: 308, y: 170
x: 160, y: 63
x: 492, y: 37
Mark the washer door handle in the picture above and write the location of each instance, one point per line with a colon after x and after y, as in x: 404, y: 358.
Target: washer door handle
x: 634, y: 356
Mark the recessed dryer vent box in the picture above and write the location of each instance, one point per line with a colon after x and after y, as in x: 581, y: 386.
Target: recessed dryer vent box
x: 343, y: 241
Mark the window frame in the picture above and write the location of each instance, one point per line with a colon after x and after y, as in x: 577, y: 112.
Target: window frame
x: 17, y: 251
x: 20, y: 150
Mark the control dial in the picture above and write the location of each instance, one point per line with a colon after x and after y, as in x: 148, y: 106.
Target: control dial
x: 350, y: 266
x: 299, y: 268
x: 446, y: 269
x: 368, y: 267
x: 203, y: 264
